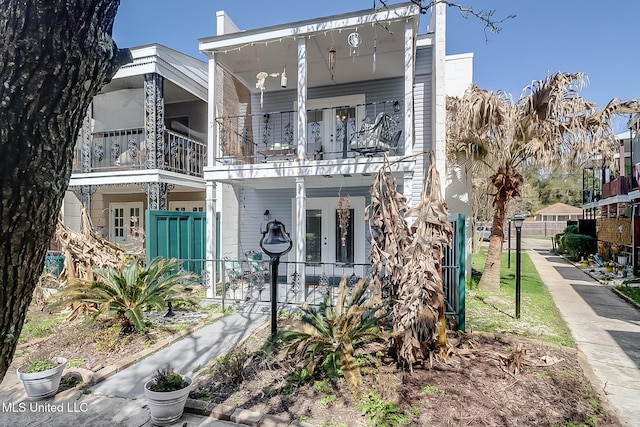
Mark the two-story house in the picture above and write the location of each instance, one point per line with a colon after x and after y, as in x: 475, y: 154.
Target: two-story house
x: 301, y: 117
x: 142, y: 145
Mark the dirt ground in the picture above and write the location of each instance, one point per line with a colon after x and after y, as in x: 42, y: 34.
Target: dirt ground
x: 472, y: 388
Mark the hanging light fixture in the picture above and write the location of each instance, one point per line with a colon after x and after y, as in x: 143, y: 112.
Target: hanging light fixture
x: 283, y: 77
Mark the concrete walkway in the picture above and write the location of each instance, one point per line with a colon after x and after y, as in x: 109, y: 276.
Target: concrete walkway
x: 606, y: 330
x: 186, y: 355
x: 119, y: 399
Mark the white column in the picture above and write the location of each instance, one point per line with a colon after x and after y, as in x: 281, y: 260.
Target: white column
x: 301, y: 233
x: 439, y: 100
x: 210, y: 243
x: 212, y: 131
x: 212, y: 143
x: 409, y: 72
x: 302, y: 98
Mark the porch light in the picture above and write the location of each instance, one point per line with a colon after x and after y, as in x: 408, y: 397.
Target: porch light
x: 275, y: 242
x: 283, y: 78
x: 265, y: 215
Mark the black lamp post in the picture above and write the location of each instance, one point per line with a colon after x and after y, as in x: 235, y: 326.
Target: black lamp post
x: 517, y: 222
x: 275, y: 242
x: 509, y: 244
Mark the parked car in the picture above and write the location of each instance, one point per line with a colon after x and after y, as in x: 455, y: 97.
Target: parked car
x: 485, y: 232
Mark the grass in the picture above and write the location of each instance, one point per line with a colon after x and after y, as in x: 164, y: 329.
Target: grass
x: 632, y: 292
x: 39, y: 325
x: 495, y: 311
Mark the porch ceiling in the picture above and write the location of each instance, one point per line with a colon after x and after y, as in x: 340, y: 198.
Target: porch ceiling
x: 135, y: 178
x: 274, y: 48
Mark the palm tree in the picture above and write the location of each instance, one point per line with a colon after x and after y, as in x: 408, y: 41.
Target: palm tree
x: 549, y: 123
x: 124, y: 293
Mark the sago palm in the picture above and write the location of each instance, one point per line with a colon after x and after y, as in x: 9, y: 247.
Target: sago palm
x: 549, y: 123
x: 125, y: 293
x: 331, y: 335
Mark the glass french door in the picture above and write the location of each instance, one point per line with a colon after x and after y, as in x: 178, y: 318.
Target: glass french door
x: 334, y: 237
x: 126, y: 222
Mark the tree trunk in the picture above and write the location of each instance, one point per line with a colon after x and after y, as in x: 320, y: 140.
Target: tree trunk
x: 490, y: 280
x: 55, y: 56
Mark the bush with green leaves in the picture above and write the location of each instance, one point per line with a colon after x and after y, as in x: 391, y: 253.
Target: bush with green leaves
x: 575, y: 245
x: 167, y: 379
x: 124, y: 293
x: 329, y: 336
x: 382, y: 413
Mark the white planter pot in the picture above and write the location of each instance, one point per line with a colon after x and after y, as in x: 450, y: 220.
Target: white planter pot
x: 622, y: 259
x: 167, y: 406
x: 40, y: 385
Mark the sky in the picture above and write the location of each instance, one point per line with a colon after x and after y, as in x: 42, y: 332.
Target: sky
x: 545, y: 36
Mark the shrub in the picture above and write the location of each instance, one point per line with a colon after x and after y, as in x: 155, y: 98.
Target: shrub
x: 575, y: 245
x: 331, y: 335
x: 124, y: 293
x: 166, y: 379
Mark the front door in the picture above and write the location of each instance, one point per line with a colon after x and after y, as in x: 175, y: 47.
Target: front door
x: 334, y: 237
x: 127, y: 224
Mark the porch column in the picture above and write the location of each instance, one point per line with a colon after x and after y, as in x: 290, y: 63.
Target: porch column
x: 212, y: 112
x: 209, y: 279
x: 158, y: 195
x: 302, y: 98
x: 409, y: 72
x: 301, y: 233
x: 154, y: 120
x: 439, y: 95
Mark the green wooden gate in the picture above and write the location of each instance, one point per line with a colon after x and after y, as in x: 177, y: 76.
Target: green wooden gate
x: 179, y: 235
x: 453, y: 272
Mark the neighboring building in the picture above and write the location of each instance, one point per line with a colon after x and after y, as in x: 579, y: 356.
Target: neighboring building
x: 608, y: 196
x: 142, y: 145
x: 559, y: 212
x: 288, y: 110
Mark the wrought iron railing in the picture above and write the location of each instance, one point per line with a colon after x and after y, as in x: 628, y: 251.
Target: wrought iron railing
x: 126, y: 149
x: 332, y: 133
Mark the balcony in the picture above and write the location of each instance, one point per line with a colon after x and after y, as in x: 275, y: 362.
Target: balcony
x: 126, y: 149
x: 332, y: 133
x: 616, y: 187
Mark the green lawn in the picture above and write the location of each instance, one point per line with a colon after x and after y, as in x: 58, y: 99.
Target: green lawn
x: 495, y: 311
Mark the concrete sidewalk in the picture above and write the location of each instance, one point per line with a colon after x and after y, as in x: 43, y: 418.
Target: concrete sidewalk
x: 186, y: 355
x: 606, y: 330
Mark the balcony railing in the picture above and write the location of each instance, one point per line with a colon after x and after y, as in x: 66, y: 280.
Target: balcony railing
x: 126, y: 149
x: 332, y: 133
x: 615, y: 187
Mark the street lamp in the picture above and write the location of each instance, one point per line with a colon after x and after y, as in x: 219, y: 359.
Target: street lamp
x: 509, y: 243
x: 275, y: 242
x: 517, y: 222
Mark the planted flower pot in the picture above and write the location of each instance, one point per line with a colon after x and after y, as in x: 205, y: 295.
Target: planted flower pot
x: 166, y: 407
x: 42, y: 384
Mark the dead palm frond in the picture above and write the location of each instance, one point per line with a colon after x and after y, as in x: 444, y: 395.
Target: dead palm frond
x: 407, y: 259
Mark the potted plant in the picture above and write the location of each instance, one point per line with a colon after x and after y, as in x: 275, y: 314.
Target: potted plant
x: 41, y: 376
x: 167, y: 394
